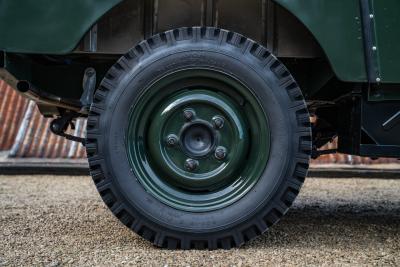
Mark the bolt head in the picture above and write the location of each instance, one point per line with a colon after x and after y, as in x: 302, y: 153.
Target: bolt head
x: 220, y: 153
x: 188, y: 114
x: 371, y: 16
x: 378, y: 80
x: 172, y: 140
x: 218, y: 122
x: 191, y: 164
x: 374, y: 48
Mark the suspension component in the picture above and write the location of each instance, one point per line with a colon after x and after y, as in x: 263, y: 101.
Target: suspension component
x: 60, y: 125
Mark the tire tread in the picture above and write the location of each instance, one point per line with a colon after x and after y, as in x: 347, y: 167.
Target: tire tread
x: 267, y: 61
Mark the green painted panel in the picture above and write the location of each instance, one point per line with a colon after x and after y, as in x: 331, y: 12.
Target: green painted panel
x: 336, y: 25
x: 47, y: 26
x: 387, y: 26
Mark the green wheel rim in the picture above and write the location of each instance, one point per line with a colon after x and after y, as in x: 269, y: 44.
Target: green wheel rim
x: 198, y: 140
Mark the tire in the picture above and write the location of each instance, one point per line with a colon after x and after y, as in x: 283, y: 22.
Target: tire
x: 264, y: 127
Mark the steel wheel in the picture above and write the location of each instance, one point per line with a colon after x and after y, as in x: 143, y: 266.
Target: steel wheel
x: 198, y: 140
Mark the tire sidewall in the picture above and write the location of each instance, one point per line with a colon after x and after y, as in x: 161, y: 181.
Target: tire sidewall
x: 274, y: 100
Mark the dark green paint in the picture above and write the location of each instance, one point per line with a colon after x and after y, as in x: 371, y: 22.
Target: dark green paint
x: 215, y: 183
x: 169, y: 120
x: 57, y: 26
x: 387, y: 36
x: 336, y: 25
x: 384, y: 92
x: 47, y: 26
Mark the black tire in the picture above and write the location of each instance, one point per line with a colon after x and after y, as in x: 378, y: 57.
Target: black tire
x: 290, y: 150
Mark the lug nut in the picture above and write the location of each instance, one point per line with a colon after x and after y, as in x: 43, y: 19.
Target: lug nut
x: 191, y: 164
x: 172, y: 140
x: 218, y: 122
x: 220, y: 153
x: 188, y: 114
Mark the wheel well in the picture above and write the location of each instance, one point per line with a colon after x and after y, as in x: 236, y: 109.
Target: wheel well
x: 271, y: 25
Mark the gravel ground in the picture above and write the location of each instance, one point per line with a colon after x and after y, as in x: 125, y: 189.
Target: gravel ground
x: 56, y: 221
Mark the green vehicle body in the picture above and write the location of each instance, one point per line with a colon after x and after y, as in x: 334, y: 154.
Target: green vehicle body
x: 48, y: 27
x: 56, y: 27
x: 331, y: 47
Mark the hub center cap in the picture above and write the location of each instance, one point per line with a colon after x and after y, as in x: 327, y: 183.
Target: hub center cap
x: 198, y: 139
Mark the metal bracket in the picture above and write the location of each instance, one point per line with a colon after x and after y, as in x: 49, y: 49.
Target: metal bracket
x: 392, y: 122
x: 317, y: 153
x: 370, y: 47
x: 90, y: 41
x: 60, y: 125
x: 89, y: 86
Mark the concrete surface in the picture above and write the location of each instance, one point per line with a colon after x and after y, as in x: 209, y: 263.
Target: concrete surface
x: 37, y: 166
x: 59, y: 220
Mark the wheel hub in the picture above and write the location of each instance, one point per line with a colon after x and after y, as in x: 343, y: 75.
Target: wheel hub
x: 198, y: 139
x: 198, y: 149
x: 211, y: 140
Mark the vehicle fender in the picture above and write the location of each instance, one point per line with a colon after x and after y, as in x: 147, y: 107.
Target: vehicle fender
x: 48, y: 26
x: 337, y: 27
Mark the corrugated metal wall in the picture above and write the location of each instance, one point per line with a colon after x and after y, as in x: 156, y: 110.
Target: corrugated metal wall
x: 12, y: 106
x: 25, y: 133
